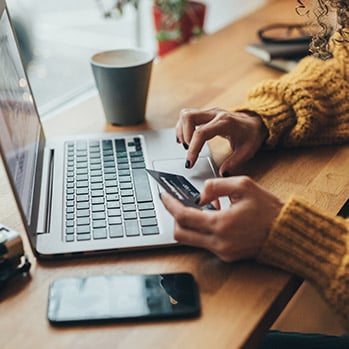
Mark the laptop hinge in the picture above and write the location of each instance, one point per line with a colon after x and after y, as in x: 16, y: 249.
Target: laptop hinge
x: 44, y: 219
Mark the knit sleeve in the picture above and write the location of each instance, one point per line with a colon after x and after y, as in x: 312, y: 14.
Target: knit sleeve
x: 314, y: 246
x: 308, y: 106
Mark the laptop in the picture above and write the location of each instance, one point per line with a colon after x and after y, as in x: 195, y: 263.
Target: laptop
x: 89, y: 194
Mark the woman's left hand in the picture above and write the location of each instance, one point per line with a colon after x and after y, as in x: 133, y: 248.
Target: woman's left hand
x: 234, y: 233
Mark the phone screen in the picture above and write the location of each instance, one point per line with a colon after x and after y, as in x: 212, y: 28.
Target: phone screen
x: 118, y: 297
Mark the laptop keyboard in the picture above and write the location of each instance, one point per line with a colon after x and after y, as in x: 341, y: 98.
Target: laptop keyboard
x: 107, y: 190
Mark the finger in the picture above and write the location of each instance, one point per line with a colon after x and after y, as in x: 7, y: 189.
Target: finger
x: 233, y: 161
x: 200, y: 136
x: 187, y: 217
x: 234, y: 187
x: 190, y: 118
x: 191, y: 237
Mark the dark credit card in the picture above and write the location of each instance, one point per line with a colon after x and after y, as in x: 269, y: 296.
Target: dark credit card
x: 180, y: 188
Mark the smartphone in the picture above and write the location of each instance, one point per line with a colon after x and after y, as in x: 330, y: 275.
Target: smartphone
x: 179, y: 187
x: 344, y: 211
x: 122, y: 297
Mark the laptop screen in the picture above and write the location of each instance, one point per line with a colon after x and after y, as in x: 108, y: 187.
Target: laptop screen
x: 19, y: 123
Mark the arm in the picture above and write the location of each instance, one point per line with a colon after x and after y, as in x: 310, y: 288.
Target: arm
x: 314, y: 246
x: 291, y: 236
x: 309, y: 106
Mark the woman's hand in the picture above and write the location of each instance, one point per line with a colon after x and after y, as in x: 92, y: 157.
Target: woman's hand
x: 232, y: 234
x: 245, y: 133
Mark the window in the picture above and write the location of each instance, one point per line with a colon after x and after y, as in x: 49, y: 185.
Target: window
x: 58, y: 38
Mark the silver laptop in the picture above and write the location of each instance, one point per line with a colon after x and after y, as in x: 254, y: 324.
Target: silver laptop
x: 89, y: 194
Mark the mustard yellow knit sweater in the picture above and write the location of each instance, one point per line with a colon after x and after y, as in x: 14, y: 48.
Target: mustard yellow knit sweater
x: 309, y: 106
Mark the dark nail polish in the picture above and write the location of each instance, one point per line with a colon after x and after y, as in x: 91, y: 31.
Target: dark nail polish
x: 185, y: 145
x: 226, y: 174
x: 177, y: 140
x: 187, y: 164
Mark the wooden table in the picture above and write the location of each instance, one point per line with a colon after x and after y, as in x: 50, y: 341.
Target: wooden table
x: 239, y: 301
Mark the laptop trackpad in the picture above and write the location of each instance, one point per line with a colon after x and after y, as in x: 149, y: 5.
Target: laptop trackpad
x: 201, y: 171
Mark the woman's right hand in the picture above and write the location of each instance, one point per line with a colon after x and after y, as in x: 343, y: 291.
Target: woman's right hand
x: 245, y: 132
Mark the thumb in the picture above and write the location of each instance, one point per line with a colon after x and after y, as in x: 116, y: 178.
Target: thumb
x: 230, y: 165
x: 214, y: 188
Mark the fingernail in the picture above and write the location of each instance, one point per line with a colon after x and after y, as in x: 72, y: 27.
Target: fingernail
x: 187, y: 164
x: 226, y: 174
x: 185, y: 145
x: 197, y: 200
x: 160, y: 196
x: 177, y: 140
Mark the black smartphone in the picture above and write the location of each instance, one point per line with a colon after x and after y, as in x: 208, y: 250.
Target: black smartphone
x: 122, y: 297
x: 344, y: 211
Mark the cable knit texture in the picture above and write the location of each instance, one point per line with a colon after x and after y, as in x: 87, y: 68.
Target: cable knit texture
x: 308, y: 107
x: 314, y: 246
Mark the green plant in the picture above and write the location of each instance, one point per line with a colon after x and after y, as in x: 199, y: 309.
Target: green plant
x: 173, y: 8
x: 117, y: 7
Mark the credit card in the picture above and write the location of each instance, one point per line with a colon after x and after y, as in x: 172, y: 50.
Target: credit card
x: 180, y: 188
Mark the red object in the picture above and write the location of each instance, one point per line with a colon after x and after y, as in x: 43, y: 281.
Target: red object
x: 179, y: 32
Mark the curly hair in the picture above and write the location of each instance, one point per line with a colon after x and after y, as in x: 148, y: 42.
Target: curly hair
x: 321, y: 13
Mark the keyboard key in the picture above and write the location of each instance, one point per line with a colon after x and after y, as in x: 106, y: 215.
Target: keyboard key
x: 127, y: 200
x: 116, y: 231
x: 127, y: 185
x: 109, y: 176
x: 129, y: 207
x: 131, y: 227
x: 69, y: 238
x: 98, y: 208
x: 99, y: 224
x: 124, y: 173
x: 97, y: 200
x: 97, y: 186
x: 98, y: 215
x: 151, y: 230
x: 126, y: 192
x: 111, y: 190
x: 146, y: 222
x: 114, y: 220
x: 114, y: 212
x: 145, y: 206
x: 83, y: 237
x: 81, y: 198
x: 124, y: 179
x: 83, y: 213
x: 83, y: 229
x: 111, y: 183
x: 147, y: 214
x: 82, y: 205
x: 83, y: 221
x: 69, y: 231
x: 100, y: 233
x: 142, y: 187
x: 112, y: 197
x: 130, y: 215
x: 97, y: 193
x: 113, y: 204
x: 81, y: 191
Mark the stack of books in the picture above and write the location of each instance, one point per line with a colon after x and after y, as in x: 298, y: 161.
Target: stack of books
x: 282, y: 56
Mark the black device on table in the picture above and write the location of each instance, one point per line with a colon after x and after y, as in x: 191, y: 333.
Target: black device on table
x: 98, y: 299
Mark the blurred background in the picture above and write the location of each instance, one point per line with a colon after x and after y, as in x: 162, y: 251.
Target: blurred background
x: 58, y: 38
